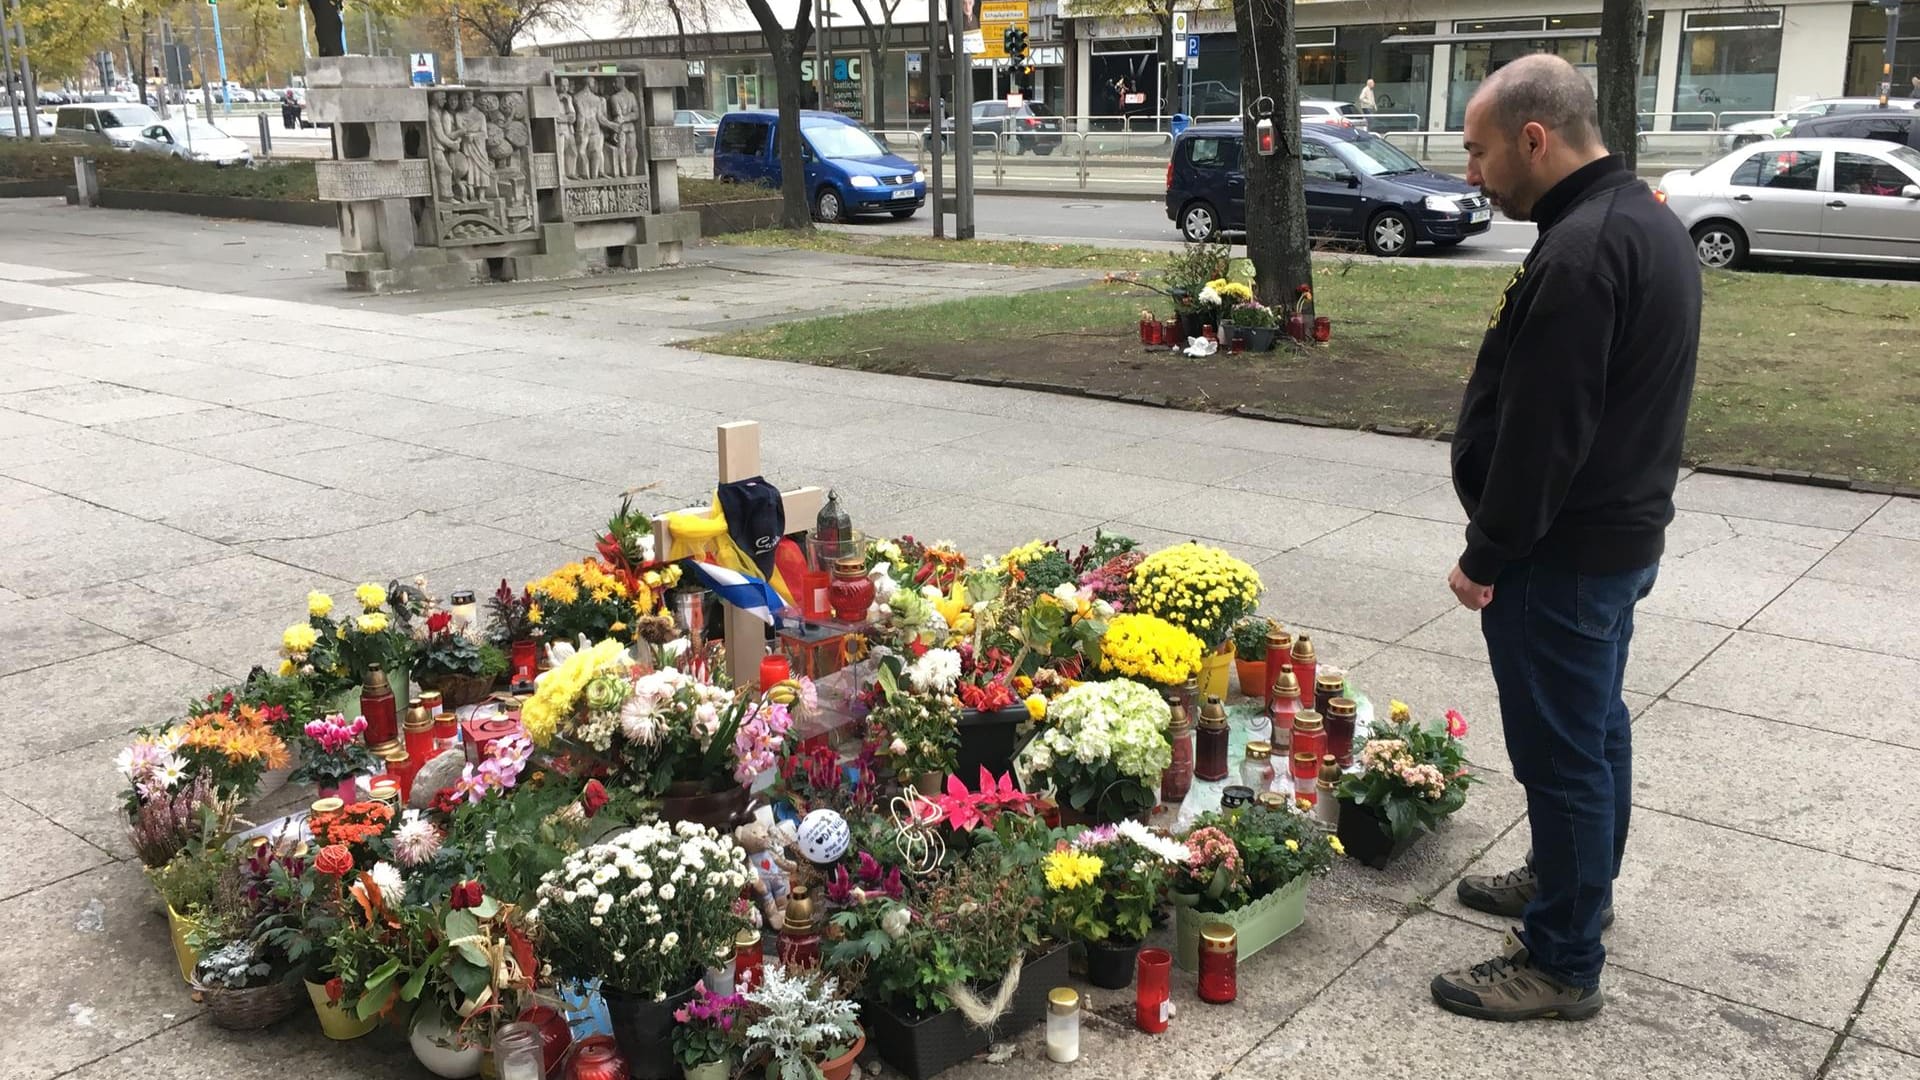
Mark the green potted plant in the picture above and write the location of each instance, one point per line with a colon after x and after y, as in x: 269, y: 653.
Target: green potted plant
x: 1249, y: 870
x: 801, y: 1028
x: 458, y: 662
x: 1105, y: 889
x: 916, y: 722
x: 1130, y: 722
x: 1411, y: 777
x: 1250, y: 654
x: 707, y: 1034
x: 1254, y: 323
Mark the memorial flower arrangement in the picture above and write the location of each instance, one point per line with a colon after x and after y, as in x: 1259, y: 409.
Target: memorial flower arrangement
x: 1103, y: 749
x: 228, y: 744
x: 336, y: 652
x: 654, y: 729
x: 646, y: 911
x: 1200, y: 589
x: 707, y: 1028
x: 1107, y: 883
x: 594, y: 599
x: 334, y: 751
x: 797, y: 1021
x: 1236, y: 859
x: 1151, y: 649
x: 1038, y: 565
x: 915, y: 721
x: 1411, y: 775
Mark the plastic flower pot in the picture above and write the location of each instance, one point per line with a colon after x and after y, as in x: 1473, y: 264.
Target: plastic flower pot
x: 1213, y: 672
x: 1258, y: 924
x: 336, y: 1022
x: 989, y: 740
x: 712, y: 1070
x: 1253, y: 677
x: 642, y: 1028
x: 923, y: 1046
x: 1258, y: 338
x: 1110, y: 964
x: 842, y: 1067
x: 723, y: 809
x: 1367, y: 838
x: 184, y: 955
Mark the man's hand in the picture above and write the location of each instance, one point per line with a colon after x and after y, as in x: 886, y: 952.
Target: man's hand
x: 1472, y: 595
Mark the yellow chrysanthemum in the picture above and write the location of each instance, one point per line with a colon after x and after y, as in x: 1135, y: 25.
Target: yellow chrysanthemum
x: 1036, y: 706
x: 299, y: 639
x: 1150, y: 648
x: 1067, y: 868
x: 373, y: 622
x: 319, y: 604
x: 1338, y: 847
x: 558, y: 694
x: 1293, y: 845
x: 287, y: 668
x: 533, y: 614
x: 371, y: 596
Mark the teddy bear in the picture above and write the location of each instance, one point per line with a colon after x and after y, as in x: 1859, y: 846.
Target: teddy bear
x: 766, y: 843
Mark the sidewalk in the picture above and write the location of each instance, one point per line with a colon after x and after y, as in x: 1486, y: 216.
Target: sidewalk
x: 197, y: 425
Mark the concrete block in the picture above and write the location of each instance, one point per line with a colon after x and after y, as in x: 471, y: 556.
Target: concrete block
x: 356, y: 262
x: 387, y: 142
x: 557, y: 238
x: 666, y: 143
x: 507, y: 70
x: 659, y: 72
x: 679, y: 226
x: 536, y: 267
x: 336, y: 71
x: 546, y: 103
x: 362, y: 105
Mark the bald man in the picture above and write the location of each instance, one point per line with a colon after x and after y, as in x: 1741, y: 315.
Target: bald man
x: 1565, y: 459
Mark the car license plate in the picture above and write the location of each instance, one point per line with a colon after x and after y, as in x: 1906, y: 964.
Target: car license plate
x: 1479, y: 216
x: 903, y: 193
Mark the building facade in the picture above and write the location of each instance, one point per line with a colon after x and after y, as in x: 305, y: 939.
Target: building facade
x: 1702, y: 60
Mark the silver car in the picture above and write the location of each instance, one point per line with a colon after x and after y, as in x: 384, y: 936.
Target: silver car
x: 1846, y: 199
x: 1747, y: 132
x: 110, y: 124
x: 194, y: 140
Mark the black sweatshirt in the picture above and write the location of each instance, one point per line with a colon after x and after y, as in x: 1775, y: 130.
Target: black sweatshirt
x: 1568, y: 445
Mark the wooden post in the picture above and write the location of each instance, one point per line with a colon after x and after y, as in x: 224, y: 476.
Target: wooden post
x: 739, y: 452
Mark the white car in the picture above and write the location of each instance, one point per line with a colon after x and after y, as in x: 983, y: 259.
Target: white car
x: 194, y: 140
x: 1748, y: 132
x: 1337, y: 113
x: 104, y: 124
x: 1842, y: 199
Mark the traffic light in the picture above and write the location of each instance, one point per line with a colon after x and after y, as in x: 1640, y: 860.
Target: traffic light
x: 1014, y: 41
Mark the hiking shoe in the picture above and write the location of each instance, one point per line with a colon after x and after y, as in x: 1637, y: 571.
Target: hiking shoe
x: 1507, y: 894
x: 1509, y: 987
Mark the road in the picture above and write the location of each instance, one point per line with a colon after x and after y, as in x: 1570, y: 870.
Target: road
x: 1094, y: 219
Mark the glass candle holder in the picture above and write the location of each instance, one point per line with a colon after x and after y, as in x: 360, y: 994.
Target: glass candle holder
x: 749, y: 959
x: 519, y: 1052
x: 1309, y: 734
x: 775, y: 669
x: 1322, y: 329
x: 1152, y: 993
x: 1063, y: 1024
x: 1306, y: 772
x: 1149, y: 330
x: 1255, y: 772
x: 1219, y: 964
x: 1177, y: 778
x: 1340, y: 716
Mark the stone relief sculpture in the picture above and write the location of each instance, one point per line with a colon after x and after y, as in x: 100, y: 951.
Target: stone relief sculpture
x: 563, y: 127
x: 623, y: 105
x: 589, y: 131
x: 479, y: 148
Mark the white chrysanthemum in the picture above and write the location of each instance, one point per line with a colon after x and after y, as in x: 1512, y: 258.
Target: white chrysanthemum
x: 936, y: 672
x: 393, y: 887
x: 416, y: 841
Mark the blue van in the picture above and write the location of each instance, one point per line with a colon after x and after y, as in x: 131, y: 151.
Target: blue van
x: 848, y: 171
x: 1359, y: 186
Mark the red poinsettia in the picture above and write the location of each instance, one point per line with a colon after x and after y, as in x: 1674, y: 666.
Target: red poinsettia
x: 966, y: 810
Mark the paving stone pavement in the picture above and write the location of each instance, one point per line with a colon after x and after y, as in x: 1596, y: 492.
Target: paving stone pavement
x: 196, y: 426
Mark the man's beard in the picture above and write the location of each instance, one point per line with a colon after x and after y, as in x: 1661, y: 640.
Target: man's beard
x: 1501, y: 202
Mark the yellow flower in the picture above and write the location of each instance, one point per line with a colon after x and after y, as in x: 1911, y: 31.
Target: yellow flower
x: 533, y: 614
x: 371, y: 596
x: 1293, y: 845
x: 319, y: 604
x: 299, y: 638
x: 287, y: 668
x: 373, y: 622
x: 1036, y: 706
x: 1070, y: 869
x: 1338, y: 847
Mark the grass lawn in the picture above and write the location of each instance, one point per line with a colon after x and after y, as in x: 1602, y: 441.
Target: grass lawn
x: 1795, y: 372
x: 124, y: 170
x: 1005, y: 252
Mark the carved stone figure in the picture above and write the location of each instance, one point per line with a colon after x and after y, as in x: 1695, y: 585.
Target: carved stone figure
x: 471, y: 125
x: 588, y: 130
x: 625, y: 110
x: 443, y: 148
x: 563, y: 131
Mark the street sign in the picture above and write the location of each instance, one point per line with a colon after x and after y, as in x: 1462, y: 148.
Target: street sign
x: 1180, y: 38
x: 996, y: 16
x: 1193, y: 47
x: 423, y: 69
x: 913, y: 63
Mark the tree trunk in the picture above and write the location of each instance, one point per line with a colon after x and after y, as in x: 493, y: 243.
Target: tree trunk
x: 788, y: 47
x: 126, y: 43
x: 878, y: 62
x: 503, y: 47
x: 145, y: 59
x: 1277, y: 239
x: 326, y: 27
x: 1623, y: 43
x: 1169, y: 86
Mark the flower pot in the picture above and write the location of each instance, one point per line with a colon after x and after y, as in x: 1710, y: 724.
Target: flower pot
x: 335, y: 1021
x: 841, y: 1067
x: 184, y: 955
x: 712, y: 1070
x: 1253, y: 677
x: 252, y: 1008
x: 725, y: 809
x: 1259, y: 924
x: 928, y: 784
x: 988, y: 740
x: 459, y: 691
x: 1213, y: 672
x: 1110, y: 964
x: 642, y: 1027
x: 1367, y: 838
x: 345, y: 790
x: 922, y: 1046
x: 1192, y: 325
x: 345, y: 702
x: 1258, y: 338
x: 438, y: 1047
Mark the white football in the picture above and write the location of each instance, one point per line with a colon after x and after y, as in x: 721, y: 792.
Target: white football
x: 824, y: 837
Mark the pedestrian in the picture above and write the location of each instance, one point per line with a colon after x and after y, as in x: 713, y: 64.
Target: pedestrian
x: 1366, y: 101
x: 289, y: 110
x: 1565, y: 458
x: 1916, y: 86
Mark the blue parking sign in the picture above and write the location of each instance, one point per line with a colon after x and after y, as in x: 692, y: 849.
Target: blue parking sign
x: 1193, y: 46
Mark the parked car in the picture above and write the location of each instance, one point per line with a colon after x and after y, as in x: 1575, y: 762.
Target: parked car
x: 1748, y: 132
x: 848, y: 171
x: 104, y: 124
x: 703, y: 123
x: 193, y: 140
x: 1337, y: 113
x: 1847, y: 199
x: 1893, y: 125
x: 1028, y: 126
x: 1358, y: 186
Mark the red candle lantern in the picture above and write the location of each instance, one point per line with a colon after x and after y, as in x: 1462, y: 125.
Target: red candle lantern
x: 1152, y: 999
x: 1219, y: 964
x: 1239, y: 345
x: 774, y: 670
x: 525, y: 663
x: 1306, y: 772
x: 1170, y: 334
x: 1322, y: 329
x: 1207, y: 332
x: 1297, y: 326
x: 749, y: 960
x: 555, y: 1035
x: 852, y: 591
x: 595, y: 1057
x: 1149, y: 330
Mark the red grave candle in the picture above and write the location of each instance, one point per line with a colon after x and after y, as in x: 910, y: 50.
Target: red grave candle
x: 1219, y: 963
x: 1152, y: 998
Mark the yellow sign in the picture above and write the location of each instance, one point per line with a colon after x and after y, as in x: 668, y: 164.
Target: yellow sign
x: 995, y: 17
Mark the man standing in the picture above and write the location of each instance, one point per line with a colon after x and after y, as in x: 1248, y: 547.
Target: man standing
x: 1366, y: 102
x: 1565, y: 458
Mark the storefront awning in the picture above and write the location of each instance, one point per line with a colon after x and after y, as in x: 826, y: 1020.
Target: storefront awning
x: 1501, y: 35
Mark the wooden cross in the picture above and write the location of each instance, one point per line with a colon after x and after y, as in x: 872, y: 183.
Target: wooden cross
x: 739, y: 446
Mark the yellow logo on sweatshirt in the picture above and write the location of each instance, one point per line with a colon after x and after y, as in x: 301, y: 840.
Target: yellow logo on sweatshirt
x: 1500, y: 308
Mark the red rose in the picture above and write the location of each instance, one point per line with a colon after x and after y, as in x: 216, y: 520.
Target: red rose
x: 334, y: 860
x: 439, y: 621
x: 467, y: 894
x: 336, y: 989
x: 593, y: 798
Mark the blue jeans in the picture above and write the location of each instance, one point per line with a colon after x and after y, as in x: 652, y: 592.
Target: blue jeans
x: 1558, y: 641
